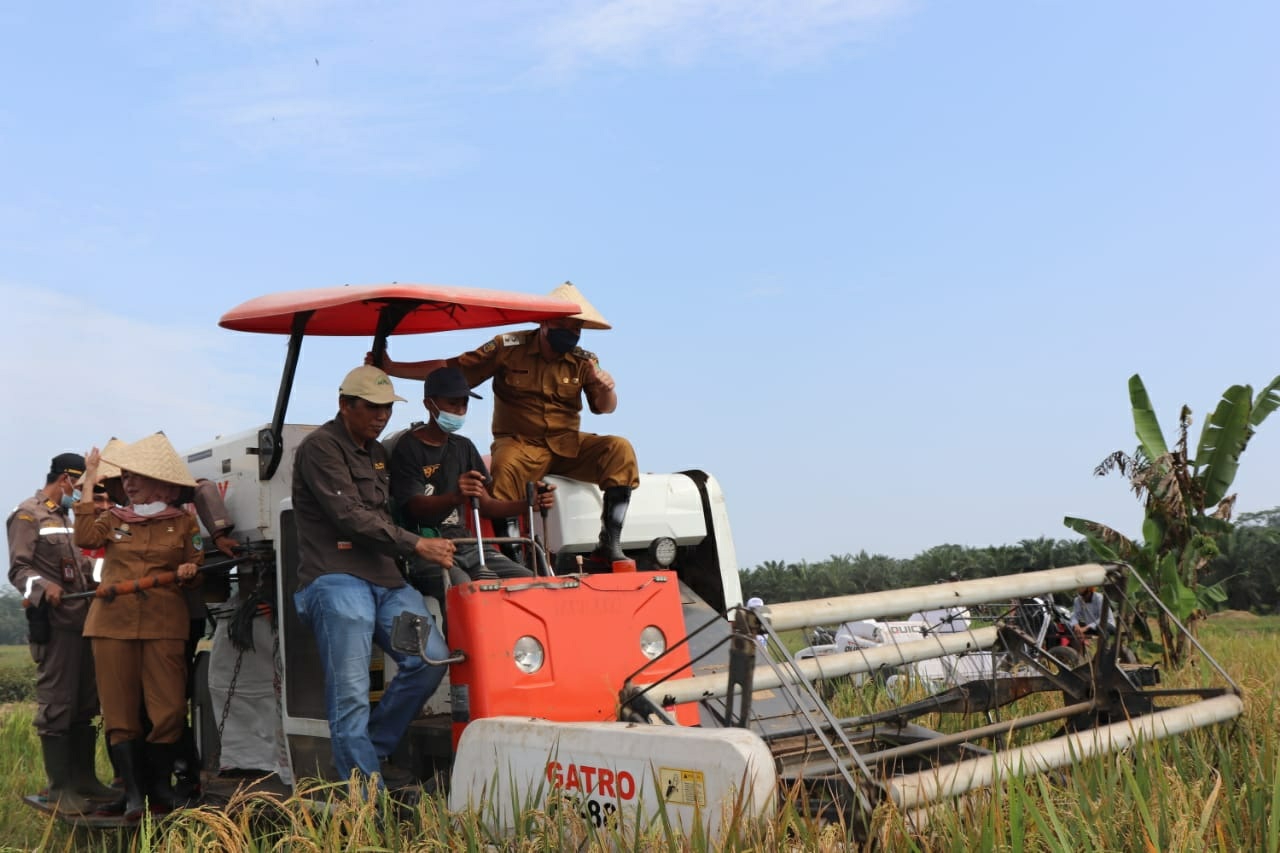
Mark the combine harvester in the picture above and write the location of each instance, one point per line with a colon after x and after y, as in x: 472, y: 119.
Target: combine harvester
x: 625, y: 693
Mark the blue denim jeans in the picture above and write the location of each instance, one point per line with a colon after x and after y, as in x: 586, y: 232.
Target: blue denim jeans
x: 347, y: 615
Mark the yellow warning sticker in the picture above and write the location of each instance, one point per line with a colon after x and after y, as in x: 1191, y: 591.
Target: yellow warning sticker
x: 683, y: 787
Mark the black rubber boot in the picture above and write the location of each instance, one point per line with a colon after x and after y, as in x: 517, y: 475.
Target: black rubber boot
x: 609, y: 547
x: 131, y: 764
x: 186, y: 767
x: 57, y: 765
x: 160, y: 760
x: 84, y: 774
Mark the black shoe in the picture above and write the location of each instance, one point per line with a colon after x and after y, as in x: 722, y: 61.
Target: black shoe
x: 599, y: 560
x: 394, y: 777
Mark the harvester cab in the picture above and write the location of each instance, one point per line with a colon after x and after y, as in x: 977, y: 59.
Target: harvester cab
x: 558, y: 647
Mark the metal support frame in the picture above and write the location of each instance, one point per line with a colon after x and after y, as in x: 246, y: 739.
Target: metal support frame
x: 271, y: 439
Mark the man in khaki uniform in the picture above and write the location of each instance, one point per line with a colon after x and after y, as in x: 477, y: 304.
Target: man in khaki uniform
x: 45, y: 565
x: 540, y: 378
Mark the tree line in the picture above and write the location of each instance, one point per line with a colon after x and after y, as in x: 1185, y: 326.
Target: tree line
x: 1248, y: 565
x: 849, y: 574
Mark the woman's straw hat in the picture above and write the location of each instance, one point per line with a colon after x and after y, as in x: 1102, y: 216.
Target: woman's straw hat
x: 152, y: 457
x: 107, y: 471
x: 587, y: 313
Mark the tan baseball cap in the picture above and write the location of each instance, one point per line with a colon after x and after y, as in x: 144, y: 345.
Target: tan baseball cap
x: 587, y: 313
x: 369, y: 383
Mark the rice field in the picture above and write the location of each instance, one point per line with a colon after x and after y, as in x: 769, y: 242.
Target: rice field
x: 15, y: 657
x: 1214, y: 789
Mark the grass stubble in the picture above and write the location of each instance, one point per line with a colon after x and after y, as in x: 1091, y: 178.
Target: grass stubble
x: 1213, y: 789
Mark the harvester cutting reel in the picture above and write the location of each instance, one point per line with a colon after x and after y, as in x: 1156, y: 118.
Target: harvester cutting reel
x: 1008, y: 705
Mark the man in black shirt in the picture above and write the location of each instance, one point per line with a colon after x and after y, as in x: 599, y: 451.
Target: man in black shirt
x: 435, y: 473
x: 349, y: 587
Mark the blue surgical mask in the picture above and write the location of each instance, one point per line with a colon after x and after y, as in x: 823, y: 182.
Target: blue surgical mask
x: 450, y: 422
x: 68, y: 501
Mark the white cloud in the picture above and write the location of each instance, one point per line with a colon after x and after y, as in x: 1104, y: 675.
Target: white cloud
x: 682, y: 32
x: 334, y: 85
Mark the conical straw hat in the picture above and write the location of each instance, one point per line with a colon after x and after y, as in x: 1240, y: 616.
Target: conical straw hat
x: 107, y: 471
x: 587, y: 313
x: 153, y: 457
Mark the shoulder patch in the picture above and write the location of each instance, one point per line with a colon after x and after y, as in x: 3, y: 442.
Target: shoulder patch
x: 22, y: 516
x: 490, y: 346
x: 587, y: 354
x: 196, y: 542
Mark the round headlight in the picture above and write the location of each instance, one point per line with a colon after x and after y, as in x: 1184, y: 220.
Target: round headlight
x: 663, y: 551
x: 652, y: 642
x: 528, y: 655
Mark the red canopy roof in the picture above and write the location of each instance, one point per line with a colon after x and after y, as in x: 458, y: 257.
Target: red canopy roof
x: 355, y: 309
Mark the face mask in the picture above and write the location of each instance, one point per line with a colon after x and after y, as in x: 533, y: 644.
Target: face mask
x: 447, y: 421
x: 71, y: 500
x: 562, y: 340
x: 149, y: 509
x: 450, y: 422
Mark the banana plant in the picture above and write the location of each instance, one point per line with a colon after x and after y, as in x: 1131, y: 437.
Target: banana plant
x: 1185, y: 501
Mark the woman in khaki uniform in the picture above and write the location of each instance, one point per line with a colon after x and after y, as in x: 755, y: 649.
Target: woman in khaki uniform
x: 139, y: 642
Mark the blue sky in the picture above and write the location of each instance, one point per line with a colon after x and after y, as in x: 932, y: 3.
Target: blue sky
x: 883, y: 268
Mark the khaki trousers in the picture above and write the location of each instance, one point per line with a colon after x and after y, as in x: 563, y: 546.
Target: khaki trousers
x: 131, y: 672
x: 606, y: 460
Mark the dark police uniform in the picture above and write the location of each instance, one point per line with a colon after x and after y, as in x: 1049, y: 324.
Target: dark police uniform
x: 42, y: 546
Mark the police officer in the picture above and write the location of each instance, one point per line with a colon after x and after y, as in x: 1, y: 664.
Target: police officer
x: 540, y: 378
x: 45, y: 565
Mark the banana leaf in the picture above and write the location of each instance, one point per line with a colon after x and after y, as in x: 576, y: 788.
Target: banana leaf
x: 1209, y: 597
x: 1266, y: 402
x: 1210, y: 526
x: 1176, y: 595
x: 1152, y: 533
x: 1145, y: 423
x: 1100, y: 536
x: 1222, y: 440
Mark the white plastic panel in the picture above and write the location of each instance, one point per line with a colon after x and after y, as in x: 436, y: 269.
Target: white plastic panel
x: 613, y: 771
x: 663, y: 505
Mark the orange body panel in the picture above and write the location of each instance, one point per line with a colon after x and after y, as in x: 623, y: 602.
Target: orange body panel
x: 589, y: 627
